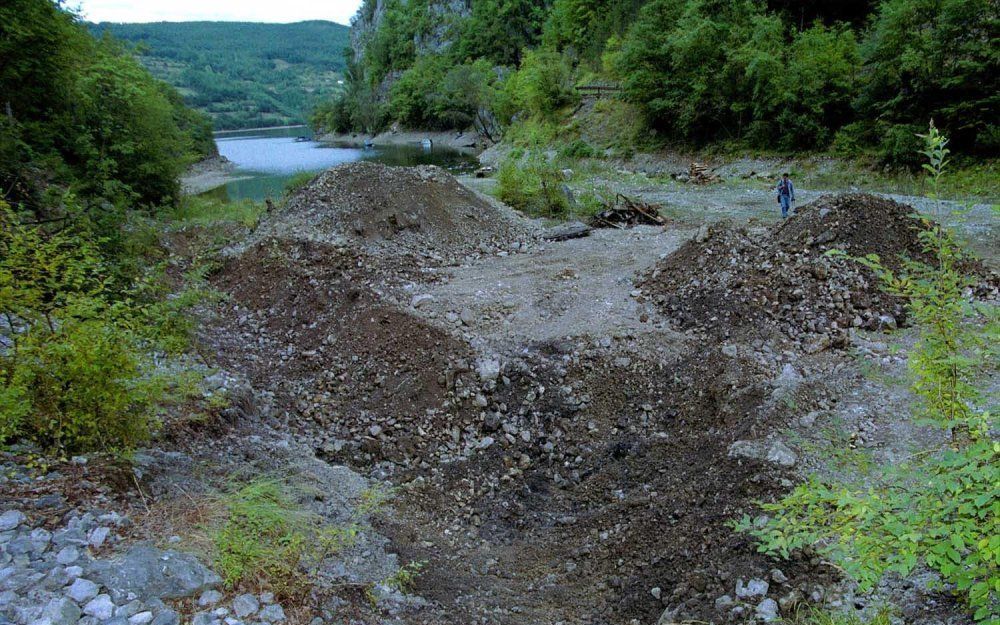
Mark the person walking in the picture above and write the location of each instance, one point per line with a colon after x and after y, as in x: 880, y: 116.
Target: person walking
x: 786, y: 194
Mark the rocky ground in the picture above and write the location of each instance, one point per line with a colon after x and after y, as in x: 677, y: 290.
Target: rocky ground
x: 566, y: 428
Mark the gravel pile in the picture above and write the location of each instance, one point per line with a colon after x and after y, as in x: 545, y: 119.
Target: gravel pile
x: 727, y: 278
x: 400, y: 211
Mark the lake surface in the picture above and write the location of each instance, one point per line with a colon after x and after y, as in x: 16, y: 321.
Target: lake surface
x: 267, y: 159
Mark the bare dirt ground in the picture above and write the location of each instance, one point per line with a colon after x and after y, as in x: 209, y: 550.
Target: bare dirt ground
x: 566, y: 442
x: 580, y: 287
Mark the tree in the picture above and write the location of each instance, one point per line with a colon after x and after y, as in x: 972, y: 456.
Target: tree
x: 933, y: 59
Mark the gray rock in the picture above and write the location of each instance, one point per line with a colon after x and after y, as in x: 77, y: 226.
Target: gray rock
x: 419, y: 301
x: 100, y: 607
x: 68, y: 555
x: 245, y: 605
x: 272, y: 614
x: 10, y: 519
x: 209, y: 598
x: 779, y: 453
x: 753, y: 588
x: 98, y: 536
x: 82, y: 590
x: 167, y: 617
x: 724, y: 602
x: 61, y: 611
x: 767, y: 610
x: 202, y: 618
x: 141, y: 618
x: 150, y: 572
x: 130, y: 608
x: 488, y: 369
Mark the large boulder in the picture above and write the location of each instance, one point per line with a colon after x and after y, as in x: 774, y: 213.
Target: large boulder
x: 152, y: 573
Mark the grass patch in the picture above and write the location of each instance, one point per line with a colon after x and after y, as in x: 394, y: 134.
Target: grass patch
x: 204, y: 210
x: 816, y: 616
x: 267, y: 542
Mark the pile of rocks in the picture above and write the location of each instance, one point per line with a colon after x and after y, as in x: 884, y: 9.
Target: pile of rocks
x: 418, y: 212
x: 727, y: 278
x: 54, y: 577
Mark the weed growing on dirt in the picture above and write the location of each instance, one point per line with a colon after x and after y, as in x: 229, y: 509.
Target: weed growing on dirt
x: 813, y: 616
x: 266, y: 541
x: 939, y: 510
x: 372, y: 499
x: 402, y: 580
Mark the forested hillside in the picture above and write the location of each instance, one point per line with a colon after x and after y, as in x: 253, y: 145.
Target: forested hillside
x: 243, y: 75
x: 858, y: 76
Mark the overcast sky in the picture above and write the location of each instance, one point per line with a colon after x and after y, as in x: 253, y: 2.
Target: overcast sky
x: 226, y: 10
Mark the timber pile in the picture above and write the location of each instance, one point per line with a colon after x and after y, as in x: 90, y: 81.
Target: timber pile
x: 625, y: 212
x: 699, y: 173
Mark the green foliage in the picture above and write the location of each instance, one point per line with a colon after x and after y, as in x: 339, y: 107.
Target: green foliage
x: 267, y: 541
x: 73, y: 375
x: 243, y: 75
x: 81, y: 112
x: 940, y: 510
x: 771, y: 86
x: 539, y: 88
x: 932, y: 59
x: 500, y: 31
x: 813, y: 616
x: 586, y: 26
x: 534, y: 185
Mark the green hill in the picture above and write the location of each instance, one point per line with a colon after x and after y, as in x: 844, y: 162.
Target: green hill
x: 242, y: 74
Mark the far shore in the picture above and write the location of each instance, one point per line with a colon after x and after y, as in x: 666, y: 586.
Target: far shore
x: 223, y: 132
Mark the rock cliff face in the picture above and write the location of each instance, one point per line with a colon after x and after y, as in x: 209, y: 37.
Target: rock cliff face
x: 435, y: 38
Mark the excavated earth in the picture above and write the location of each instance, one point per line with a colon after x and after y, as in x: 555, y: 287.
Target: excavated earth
x: 566, y: 425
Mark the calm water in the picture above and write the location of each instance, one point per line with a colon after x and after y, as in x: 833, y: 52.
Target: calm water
x: 268, y: 159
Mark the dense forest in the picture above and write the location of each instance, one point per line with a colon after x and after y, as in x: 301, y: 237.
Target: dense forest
x: 244, y: 75
x: 857, y: 76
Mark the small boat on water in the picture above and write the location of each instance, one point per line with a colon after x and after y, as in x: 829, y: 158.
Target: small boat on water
x: 301, y: 139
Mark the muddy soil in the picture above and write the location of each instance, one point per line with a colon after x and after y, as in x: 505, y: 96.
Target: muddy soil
x: 562, y: 450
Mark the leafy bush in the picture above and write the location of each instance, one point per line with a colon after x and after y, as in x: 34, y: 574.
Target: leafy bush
x: 577, y: 149
x: 73, y: 376
x: 534, y: 186
x: 939, y: 510
x: 540, y: 87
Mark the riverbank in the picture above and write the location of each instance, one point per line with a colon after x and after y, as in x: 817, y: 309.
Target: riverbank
x: 455, y: 140
x: 209, y: 174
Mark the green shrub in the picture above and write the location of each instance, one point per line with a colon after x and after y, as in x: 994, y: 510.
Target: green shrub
x: 534, y: 186
x: 74, y: 374
x: 577, y: 149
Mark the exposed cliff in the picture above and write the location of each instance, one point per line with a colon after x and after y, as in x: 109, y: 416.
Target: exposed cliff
x: 432, y: 32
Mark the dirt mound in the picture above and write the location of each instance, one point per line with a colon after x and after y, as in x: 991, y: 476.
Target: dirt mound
x: 728, y: 278
x: 420, y: 211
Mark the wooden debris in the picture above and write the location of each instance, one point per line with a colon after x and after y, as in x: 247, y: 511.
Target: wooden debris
x: 699, y: 173
x: 625, y: 212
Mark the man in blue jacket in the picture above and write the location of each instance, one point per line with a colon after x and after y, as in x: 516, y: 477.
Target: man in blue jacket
x: 786, y: 194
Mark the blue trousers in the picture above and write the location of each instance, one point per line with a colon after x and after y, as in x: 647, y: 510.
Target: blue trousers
x: 786, y: 203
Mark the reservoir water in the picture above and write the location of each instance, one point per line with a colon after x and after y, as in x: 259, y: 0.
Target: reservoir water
x: 267, y: 159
